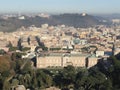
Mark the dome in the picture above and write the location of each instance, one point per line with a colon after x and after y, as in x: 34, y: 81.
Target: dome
x: 76, y: 41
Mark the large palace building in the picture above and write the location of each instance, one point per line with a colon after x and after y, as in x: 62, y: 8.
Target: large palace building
x: 62, y: 60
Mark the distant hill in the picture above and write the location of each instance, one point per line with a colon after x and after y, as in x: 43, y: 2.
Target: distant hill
x: 111, y: 16
x: 76, y: 20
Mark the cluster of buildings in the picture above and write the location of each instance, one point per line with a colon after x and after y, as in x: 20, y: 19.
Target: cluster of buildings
x: 80, y: 47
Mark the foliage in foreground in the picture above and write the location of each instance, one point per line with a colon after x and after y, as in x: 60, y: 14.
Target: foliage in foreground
x: 16, y: 71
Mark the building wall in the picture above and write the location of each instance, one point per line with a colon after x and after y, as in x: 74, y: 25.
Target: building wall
x: 77, y: 61
x: 92, y: 61
x: 44, y: 62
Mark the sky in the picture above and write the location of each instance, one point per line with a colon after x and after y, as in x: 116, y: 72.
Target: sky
x: 61, y: 6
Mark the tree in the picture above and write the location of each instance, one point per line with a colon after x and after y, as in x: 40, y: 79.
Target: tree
x: 81, y: 79
x: 26, y: 67
x: 6, y: 85
x: 27, y: 80
x: 13, y: 48
x: 114, y: 73
x: 69, y: 73
x: 14, y: 83
x: 55, y: 49
x: 25, y: 49
x: 44, y: 80
x: 107, y: 85
x: 16, y: 56
x: 20, y: 77
x: 92, y: 79
x: 2, y: 52
x: 34, y: 81
x: 28, y: 40
x: 19, y: 44
x: 4, y: 64
x: 19, y: 63
x: 66, y: 78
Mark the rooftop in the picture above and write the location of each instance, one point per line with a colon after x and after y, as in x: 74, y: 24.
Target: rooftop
x: 64, y: 54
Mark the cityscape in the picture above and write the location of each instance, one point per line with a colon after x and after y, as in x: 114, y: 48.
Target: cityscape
x: 57, y: 48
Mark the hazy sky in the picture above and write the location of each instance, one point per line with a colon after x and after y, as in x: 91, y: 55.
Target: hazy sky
x: 61, y: 6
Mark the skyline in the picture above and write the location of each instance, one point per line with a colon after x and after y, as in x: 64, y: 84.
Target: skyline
x: 61, y: 6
